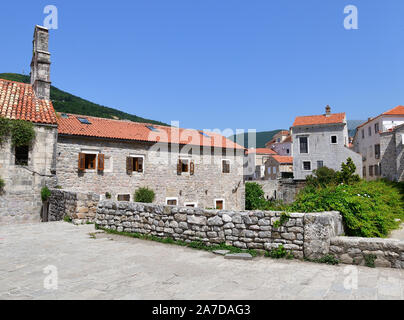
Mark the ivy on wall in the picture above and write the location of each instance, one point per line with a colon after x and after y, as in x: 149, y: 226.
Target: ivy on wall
x: 22, y: 132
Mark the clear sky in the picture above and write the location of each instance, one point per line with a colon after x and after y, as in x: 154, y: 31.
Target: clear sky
x: 218, y: 63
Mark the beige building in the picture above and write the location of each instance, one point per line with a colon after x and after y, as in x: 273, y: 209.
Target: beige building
x: 256, y: 158
x: 279, y: 167
x: 367, y: 142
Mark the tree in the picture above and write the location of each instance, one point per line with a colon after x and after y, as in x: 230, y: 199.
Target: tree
x: 322, y: 177
x: 347, y: 174
x: 254, y: 196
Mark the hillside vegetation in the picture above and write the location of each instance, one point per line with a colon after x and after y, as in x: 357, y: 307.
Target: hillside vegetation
x: 261, y: 138
x: 69, y: 103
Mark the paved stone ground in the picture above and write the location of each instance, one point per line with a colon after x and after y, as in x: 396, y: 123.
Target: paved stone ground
x: 126, y: 268
x: 398, y: 234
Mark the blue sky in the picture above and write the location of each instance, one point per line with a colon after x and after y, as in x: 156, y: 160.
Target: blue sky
x: 218, y: 63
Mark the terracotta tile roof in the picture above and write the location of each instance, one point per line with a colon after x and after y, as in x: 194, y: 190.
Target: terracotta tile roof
x: 69, y: 124
x: 397, y: 111
x: 261, y: 151
x: 283, y: 159
x: 319, y: 119
x: 18, y: 101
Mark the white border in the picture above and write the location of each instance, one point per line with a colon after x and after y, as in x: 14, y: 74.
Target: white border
x: 189, y: 203
x: 311, y: 165
x: 219, y: 199
x: 172, y: 198
x: 132, y: 155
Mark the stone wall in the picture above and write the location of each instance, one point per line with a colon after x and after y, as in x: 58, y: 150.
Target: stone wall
x: 281, y: 189
x: 247, y: 230
x: 392, y: 151
x: 388, y: 252
x: 80, y: 207
x: 21, y: 200
x: 207, y: 184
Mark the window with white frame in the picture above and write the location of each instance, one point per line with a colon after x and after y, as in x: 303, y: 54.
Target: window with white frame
x: 219, y: 204
x: 307, y: 165
x: 225, y: 166
x: 334, y: 139
x: 172, y: 201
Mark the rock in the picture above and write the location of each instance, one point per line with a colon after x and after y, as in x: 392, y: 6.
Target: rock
x: 221, y: 252
x: 215, y: 221
x: 238, y: 256
x: 200, y: 220
x: 226, y: 218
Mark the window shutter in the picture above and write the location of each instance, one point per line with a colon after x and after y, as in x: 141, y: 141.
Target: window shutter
x: 179, y: 167
x: 82, y: 161
x: 192, y: 168
x: 129, y: 165
x: 101, y: 161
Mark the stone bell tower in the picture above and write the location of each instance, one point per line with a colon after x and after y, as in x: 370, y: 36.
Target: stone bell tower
x: 40, y: 64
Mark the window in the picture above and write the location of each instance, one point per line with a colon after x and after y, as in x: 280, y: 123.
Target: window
x: 363, y: 134
x: 191, y: 204
x: 88, y: 161
x: 171, y: 201
x: 306, y: 165
x: 21, y: 155
x: 377, y: 127
x: 370, y: 171
x: 135, y: 163
x: 225, y: 166
x: 84, y: 120
x: 320, y: 164
x: 334, y: 139
x: 364, y: 171
x: 274, y: 170
x: 151, y: 128
x: 219, y: 204
x: 287, y: 151
x: 370, y: 131
x: 185, y: 165
x: 377, y: 151
x: 304, y: 147
x: 123, y: 197
x: 376, y: 170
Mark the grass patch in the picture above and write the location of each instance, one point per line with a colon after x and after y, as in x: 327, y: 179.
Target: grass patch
x: 327, y: 259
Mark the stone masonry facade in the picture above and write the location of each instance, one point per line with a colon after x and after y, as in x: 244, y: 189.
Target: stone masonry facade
x: 392, y: 149
x: 21, y: 199
x: 246, y: 230
x: 207, y: 184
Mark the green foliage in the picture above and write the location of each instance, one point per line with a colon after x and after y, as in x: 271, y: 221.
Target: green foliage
x: 261, y: 138
x: 369, y: 208
x: 2, y: 185
x: 347, y: 174
x: 144, y: 195
x: 254, y: 197
x: 107, y: 195
x: 22, y: 132
x: 67, y: 219
x: 45, y: 194
x: 283, y: 219
x: 322, y: 177
x: 278, y: 253
x: 370, y: 260
x: 66, y: 102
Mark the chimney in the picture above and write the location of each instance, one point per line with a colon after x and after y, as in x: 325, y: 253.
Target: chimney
x: 40, y: 64
x: 327, y: 110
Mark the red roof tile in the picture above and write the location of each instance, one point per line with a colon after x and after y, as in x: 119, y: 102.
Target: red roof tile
x: 320, y: 119
x: 283, y: 159
x: 127, y: 130
x: 261, y: 151
x: 399, y: 110
x: 18, y: 101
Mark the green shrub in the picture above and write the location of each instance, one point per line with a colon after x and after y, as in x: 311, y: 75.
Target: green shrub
x: 322, y: 177
x: 144, y: 195
x: 370, y: 260
x: 347, y: 174
x: 283, y: 219
x: 279, y: 253
x: 254, y: 197
x: 45, y: 194
x: 5, y: 128
x: 22, y: 133
x: 2, y: 185
x: 107, y: 195
x: 368, y: 208
x: 328, y: 259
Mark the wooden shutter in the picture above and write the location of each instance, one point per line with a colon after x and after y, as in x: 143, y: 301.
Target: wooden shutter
x: 101, y: 160
x: 82, y: 161
x: 179, y: 167
x: 129, y: 165
x: 192, y: 168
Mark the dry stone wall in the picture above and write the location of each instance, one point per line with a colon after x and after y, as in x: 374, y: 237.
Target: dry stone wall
x: 80, y: 207
x: 246, y: 230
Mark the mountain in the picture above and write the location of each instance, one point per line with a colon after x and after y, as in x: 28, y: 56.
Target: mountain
x: 352, y: 125
x: 69, y: 103
x: 261, y: 138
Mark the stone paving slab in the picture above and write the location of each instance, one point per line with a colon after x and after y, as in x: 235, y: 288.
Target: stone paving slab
x: 128, y: 268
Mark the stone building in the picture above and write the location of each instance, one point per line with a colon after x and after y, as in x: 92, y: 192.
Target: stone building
x: 26, y: 169
x: 281, y: 143
x: 368, y: 142
x: 255, y: 160
x: 321, y: 140
x: 279, y: 167
x: 184, y: 167
x: 392, y: 149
